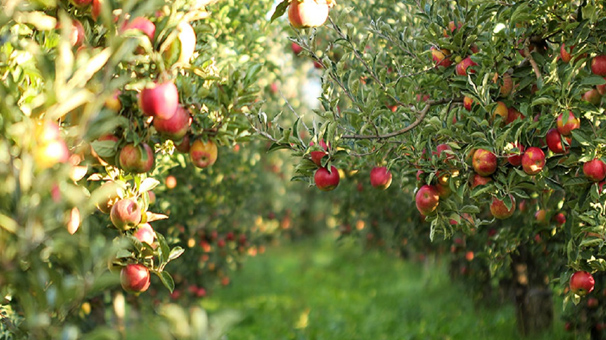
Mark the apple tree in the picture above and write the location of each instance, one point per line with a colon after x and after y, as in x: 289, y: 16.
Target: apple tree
x: 485, y: 107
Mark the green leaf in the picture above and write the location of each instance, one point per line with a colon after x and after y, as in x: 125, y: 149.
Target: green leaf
x: 105, y: 148
x: 175, y: 253
x: 280, y: 10
x: 167, y: 280
x: 470, y: 209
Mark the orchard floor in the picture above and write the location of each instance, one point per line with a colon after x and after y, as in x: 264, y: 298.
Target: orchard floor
x: 323, y: 290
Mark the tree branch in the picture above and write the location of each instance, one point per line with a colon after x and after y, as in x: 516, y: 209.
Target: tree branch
x: 412, y: 125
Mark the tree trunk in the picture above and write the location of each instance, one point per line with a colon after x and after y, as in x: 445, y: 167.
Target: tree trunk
x: 533, y: 297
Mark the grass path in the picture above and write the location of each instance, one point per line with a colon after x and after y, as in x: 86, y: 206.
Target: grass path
x: 328, y: 291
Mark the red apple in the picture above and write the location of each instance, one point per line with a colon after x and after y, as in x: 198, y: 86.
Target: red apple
x: 595, y: 170
x: 325, y: 180
x: 160, y: 100
x: 554, y: 141
x: 467, y: 103
x: 307, y: 13
x: 174, y: 128
x: 440, y: 151
x: 592, y: 96
x: 512, y: 115
x: 296, y: 48
x: 444, y: 190
x: 559, y: 219
x: 598, y: 65
x: 145, y: 233
x: 184, y: 145
x: 541, y: 216
x: 565, y: 54
x: 515, y: 157
x: 135, y: 278
x: 507, y: 86
x: 316, y: 156
x: 380, y: 177
x: 484, y: 162
x: 96, y: 9
x: 501, y: 110
x: 125, y: 214
x: 567, y: 124
x: 477, y: 180
x: 114, y: 103
x: 467, y: 63
x: 427, y: 199
x: 441, y: 57
x: 499, y: 209
x: 77, y: 33
x: 203, y: 154
x: 582, y: 283
x: 533, y: 160
x: 137, y: 159
x: 592, y: 302
x: 142, y: 24
x: 452, y: 27
x: 469, y: 255
x: 601, y: 88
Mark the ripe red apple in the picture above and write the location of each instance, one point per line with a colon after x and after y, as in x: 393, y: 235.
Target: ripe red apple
x: 469, y: 255
x: 135, y: 278
x: 516, y: 155
x: 325, y: 180
x: 316, y: 156
x: 571, y: 123
x: 582, y: 283
x: 500, y: 110
x: 184, y: 145
x: 467, y: 63
x: 565, y: 54
x: 307, y: 13
x: 444, y: 191
x: 296, y: 48
x: 203, y: 154
x: 554, y: 141
x: 145, y: 233
x: 512, y: 115
x: 142, y: 24
x: 174, y: 128
x: 484, y: 162
x: 441, y: 154
x: 507, y: 86
x: 467, y: 103
x: 559, y: 219
x: 441, y: 57
x: 137, y: 159
x: 452, y: 27
x: 592, y: 302
x: 477, y: 180
x: 125, y: 214
x: 170, y: 182
x: 595, y: 170
x: 114, y: 103
x: 499, y: 209
x: 49, y: 153
x: 598, y: 65
x: 160, y: 100
x: 96, y: 9
x: 380, y: 177
x: 601, y: 88
x: 77, y: 33
x: 592, y: 96
x: 541, y: 216
x: 533, y: 160
x: 427, y: 199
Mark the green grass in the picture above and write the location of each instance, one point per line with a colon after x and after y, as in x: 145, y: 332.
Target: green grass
x: 327, y: 291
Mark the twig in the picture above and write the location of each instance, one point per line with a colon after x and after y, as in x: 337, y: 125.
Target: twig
x: 412, y: 125
x: 533, y: 63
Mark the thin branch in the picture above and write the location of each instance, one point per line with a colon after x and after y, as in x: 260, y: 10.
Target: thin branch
x: 533, y: 63
x: 412, y: 125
